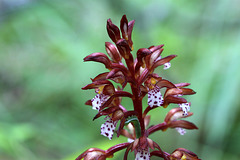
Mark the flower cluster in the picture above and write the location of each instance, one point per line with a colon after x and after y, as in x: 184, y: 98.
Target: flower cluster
x: 139, y: 74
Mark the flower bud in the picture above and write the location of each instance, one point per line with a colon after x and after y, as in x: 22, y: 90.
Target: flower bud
x: 92, y: 154
x: 123, y: 48
x: 113, y: 31
x: 183, y: 154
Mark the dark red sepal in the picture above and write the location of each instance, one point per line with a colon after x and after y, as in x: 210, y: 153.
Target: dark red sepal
x: 99, y: 57
x: 113, y: 31
x: 162, y: 61
x: 182, y: 124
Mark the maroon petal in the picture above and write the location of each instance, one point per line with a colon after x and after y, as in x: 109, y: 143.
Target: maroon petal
x: 173, y: 99
x: 96, y: 154
x: 97, y: 84
x: 156, y: 52
x: 180, y: 152
x: 122, y: 123
x: 130, y: 28
x: 116, y: 94
x: 186, y: 151
x: 154, y: 48
x: 99, y: 57
x: 182, y: 84
x: 106, y: 112
x: 141, y: 53
x: 113, y: 72
x: 113, y: 52
x: 89, y: 102
x: 125, y: 133
x: 187, y: 91
x: 175, y: 113
x: 173, y: 92
x: 107, y: 103
x: 143, y: 90
x: 143, y: 76
x: 124, y: 27
x: 171, y: 113
x: 108, y: 89
x: 182, y: 124
x: 101, y: 76
x: 124, y: 48
x: 163, y: 61
x: 155, y: 55
x: 165, y: 83
x: 117, y: 76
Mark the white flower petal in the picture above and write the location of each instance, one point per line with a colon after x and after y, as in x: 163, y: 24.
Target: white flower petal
x: 185, y: 108
x: 142, y: 155
x: 98, y: 100
x: 181, y: 131
x: 167, y: 65
x: 155, y: 97
x: 107, y: 129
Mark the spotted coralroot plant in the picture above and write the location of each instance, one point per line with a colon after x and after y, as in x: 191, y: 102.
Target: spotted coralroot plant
x: 132, y: 121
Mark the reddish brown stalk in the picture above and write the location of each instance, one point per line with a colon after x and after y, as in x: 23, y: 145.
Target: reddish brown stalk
x: 160, y: 154
x: 137, y: 104
x: 117, y: 148
x: 148, y: 109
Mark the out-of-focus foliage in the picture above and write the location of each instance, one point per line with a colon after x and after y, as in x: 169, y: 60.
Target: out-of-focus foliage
x: 42, y: 44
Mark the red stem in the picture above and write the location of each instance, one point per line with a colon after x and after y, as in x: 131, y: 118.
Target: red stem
x: 137, y: 104
x: 137, y: 101
x: 117, y: 148
x: 148, y: 109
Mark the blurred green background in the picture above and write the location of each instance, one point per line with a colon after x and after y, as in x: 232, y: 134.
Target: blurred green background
x: 42, y: 44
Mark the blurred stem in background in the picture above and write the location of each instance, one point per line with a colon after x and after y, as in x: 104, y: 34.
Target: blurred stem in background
x: 42, y: 44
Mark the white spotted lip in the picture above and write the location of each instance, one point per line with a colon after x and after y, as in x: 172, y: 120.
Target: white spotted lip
x: 155, y: 97
x: 107, y: 129
x: 185, y: 108
x: 142, y: 155
x: 98, y: 100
